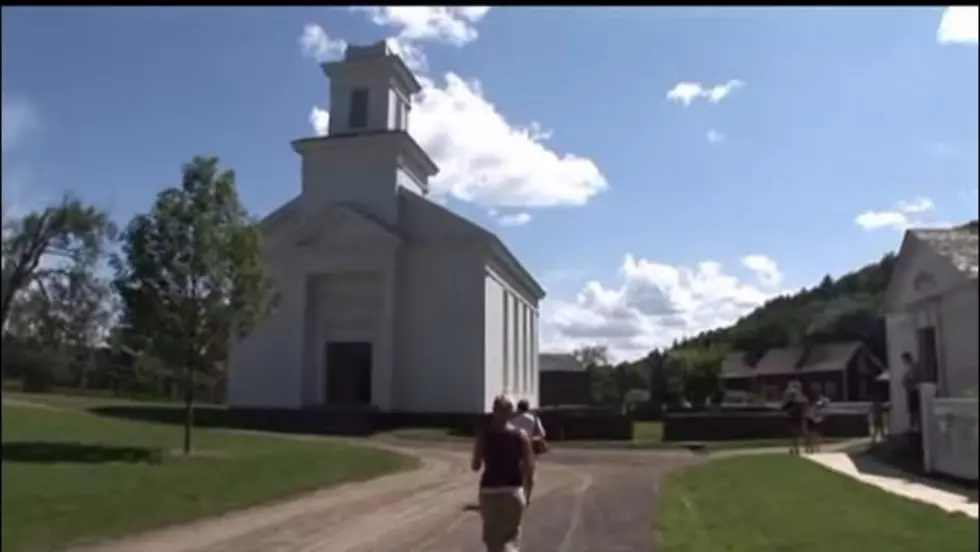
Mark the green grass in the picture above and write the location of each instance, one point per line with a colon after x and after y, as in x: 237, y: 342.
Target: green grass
x: 70, y: 477
x: 648, y: 432
x: 776, y: 503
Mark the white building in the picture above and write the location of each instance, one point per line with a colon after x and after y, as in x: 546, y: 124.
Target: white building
x: 387, y: 299
x: 931, y: 313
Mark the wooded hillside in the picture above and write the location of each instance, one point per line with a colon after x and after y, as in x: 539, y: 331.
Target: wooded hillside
x: 847, y: 308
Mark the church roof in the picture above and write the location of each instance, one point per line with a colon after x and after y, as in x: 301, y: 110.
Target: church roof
x: 464, y: 230
x: 559, y: 362
x: 497, y: 246
x: 958, y: 245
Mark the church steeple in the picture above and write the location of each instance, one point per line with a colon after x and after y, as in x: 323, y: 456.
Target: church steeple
x: 367, y: 154
x: 370, y: 91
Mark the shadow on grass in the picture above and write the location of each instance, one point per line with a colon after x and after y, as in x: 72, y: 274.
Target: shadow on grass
x: 77, y: 453
x: 319, y: 422
x: 868, y: 463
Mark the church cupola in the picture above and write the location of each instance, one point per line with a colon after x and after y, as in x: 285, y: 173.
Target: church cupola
x: 367, y: 155
x: 370, y: 91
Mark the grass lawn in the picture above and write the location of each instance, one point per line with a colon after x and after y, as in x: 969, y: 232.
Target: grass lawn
x: 71, y: 476
x: 776, y: 503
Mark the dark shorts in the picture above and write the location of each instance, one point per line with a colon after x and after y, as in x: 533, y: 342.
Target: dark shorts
x: 814, y: 425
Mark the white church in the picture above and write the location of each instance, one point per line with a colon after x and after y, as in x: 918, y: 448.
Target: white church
x: 388, y: 300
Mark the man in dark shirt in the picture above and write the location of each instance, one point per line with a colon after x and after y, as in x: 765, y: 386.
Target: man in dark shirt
x: 504, y: 454
x: 911, y: 380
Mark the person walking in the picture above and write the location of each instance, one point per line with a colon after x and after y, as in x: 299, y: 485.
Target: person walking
x: 910, y: 381
x: 531, y: 425
x: 504, y: 454
x: 795, y: 405
x: 815, y: 416
x: 877, y: 420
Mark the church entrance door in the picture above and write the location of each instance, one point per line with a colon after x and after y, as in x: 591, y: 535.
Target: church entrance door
x: 348, y: 367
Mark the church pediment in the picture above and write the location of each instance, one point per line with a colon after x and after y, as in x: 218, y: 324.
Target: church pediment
x: 919, y: 274
x: 341, y: 227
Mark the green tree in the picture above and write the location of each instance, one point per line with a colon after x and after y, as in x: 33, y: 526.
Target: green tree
x: 68, y: 313
x: 699, y: 371
x: 656, y: 364
x: 68, y: 234
x: 190, y: 277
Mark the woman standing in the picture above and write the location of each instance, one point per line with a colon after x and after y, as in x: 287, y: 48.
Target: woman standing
x: 504, y: 454
x: 531, y: 426
x: 814, y: 423
x: 795, y: 405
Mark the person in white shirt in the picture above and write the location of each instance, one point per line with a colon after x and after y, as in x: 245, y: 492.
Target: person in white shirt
x: 531, y: 426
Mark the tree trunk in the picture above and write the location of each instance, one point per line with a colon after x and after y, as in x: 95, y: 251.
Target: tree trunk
x: 188, y: 409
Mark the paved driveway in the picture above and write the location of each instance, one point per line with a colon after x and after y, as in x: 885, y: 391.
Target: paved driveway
x: 585, y: 501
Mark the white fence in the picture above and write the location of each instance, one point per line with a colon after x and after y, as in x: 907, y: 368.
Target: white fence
x: 949, y: 433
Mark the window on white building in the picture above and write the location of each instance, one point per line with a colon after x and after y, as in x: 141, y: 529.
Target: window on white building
x: 357, y: 116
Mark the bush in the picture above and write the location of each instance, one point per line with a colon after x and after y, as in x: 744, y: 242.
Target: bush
x: 753, y: 425
x: 586, y: 423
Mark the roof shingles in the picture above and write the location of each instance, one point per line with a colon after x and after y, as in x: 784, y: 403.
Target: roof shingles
x: 559, y: 362
x: 959, y: 245
x: 825, y: 357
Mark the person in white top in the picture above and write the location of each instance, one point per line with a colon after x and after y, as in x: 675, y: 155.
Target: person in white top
x: 531, y: 426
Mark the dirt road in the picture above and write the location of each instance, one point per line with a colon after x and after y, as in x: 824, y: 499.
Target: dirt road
x: 585, y: 501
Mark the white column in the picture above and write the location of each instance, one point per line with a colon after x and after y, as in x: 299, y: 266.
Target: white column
x: 505, y: 362
x: 522, y: 361
x: 527, y: 349
x: 383, y: 376
x: 900, y: 330
x: 522, y: 350
x: 534, y: 358
x: 927, y: 424
x: 515, y: 345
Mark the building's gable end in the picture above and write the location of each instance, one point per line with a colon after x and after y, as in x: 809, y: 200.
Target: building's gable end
x: 920, y: 273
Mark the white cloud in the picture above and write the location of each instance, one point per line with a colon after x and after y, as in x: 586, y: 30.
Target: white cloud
x: 714, y: 136
x: 483, y: 157
x: 510, y: 219
x: 958, y: 25
x: 686, y: 92
x: 19, y: 119
x: 320, y: 120
x: 449, y: 24
x: 764, y: 268
x: 316, y: 43
x: 916, y: 205
x: 904, y: 215
x: 652, y: 305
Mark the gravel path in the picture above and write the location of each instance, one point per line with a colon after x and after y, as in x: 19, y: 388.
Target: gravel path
x: 585, y: 501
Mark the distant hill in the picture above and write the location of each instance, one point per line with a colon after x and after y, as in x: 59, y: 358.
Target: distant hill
x: 842, y: 309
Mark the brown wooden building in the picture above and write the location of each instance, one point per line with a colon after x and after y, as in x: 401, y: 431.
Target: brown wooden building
x: 564, y: 381
x: 843, y: 372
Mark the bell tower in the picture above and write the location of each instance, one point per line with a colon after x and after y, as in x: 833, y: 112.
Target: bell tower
x: 367, y: 153
x: 370, y: 90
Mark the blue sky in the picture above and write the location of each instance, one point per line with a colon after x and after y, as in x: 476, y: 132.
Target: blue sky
x: 660, y: 170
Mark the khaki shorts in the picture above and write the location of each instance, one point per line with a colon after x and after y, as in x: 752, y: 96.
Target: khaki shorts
x: 502, y: 513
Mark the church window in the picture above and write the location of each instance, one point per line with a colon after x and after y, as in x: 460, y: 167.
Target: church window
x: 358, y: 114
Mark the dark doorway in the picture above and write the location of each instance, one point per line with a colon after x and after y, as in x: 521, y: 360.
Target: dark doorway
x: 928, y: 354
x: 348, y: 366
